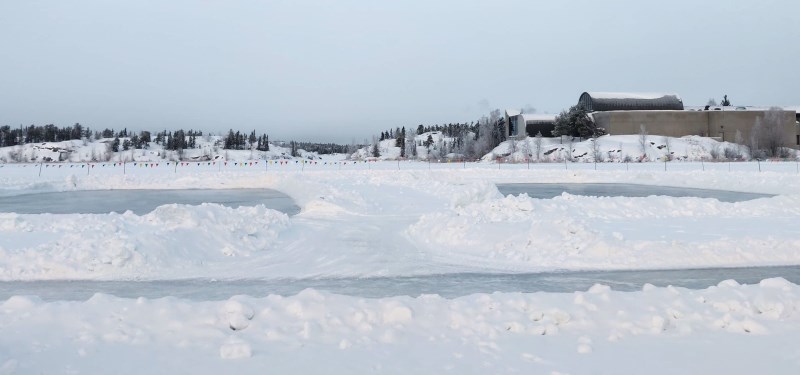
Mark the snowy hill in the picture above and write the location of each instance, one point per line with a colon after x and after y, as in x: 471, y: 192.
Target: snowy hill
x: 207, y: 148
x: 618, y: 148
x: 432, y: 144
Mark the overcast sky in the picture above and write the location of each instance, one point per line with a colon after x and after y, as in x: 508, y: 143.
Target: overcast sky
x: 343, y: 70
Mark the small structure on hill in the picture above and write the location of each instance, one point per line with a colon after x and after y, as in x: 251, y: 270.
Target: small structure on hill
x: 518, y: 124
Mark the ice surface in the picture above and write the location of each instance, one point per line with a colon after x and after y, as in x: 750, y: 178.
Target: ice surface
x: 450, y: 285
x: 141, y: 201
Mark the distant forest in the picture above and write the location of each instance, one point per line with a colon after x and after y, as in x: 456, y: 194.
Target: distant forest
x: 124, y: 140
x: 471, y: 140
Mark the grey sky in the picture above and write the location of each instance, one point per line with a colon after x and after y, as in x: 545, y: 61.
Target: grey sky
x: 338, y: 70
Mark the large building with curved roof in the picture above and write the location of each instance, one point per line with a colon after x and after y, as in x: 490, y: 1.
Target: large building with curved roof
x: 664, y: 114
x: 620, y: 101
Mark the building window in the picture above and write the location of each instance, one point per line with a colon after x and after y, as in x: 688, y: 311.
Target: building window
x: 798, y: 139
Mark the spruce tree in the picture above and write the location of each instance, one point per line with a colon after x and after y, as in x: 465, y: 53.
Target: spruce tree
x: 375, y: 150
x: 252, y: 139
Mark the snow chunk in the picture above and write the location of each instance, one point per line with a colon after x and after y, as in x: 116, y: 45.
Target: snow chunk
x: 776, y: 283
x: 19, y: 303
x: 599, y: 289
x: 396, y: 312
x: 238, y: 315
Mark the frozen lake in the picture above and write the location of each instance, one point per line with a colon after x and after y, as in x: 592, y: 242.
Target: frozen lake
x: 141, y: 202
x: 547, y: 191
x: 446, y: 285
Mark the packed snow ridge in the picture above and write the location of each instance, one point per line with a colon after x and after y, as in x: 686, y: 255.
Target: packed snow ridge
x: 500, y: 333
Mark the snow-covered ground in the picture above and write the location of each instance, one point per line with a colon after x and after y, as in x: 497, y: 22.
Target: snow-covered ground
x: 726, y: 329
x: 371, y: 218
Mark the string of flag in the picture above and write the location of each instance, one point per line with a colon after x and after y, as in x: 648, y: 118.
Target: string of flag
x: 198, y: 164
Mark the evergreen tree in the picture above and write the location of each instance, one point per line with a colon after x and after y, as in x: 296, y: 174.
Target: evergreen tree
x: 376, y: 152
x: 135, y: 141
x: 575, y: 122
x: 428, y: 142
x: 401, y: 142
x: 77, y: 131
x: 228, y: 141
x: 252, y: 139
x: 145, y: 139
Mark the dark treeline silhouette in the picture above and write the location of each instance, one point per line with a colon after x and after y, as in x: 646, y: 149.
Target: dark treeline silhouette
x: 455, y: 130
x: 239, y: 141
x: 35, y: 134
x: 50, y: 133
x: 320, y: 148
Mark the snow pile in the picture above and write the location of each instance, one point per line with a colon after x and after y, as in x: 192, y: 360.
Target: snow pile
x: 518, y: 233
x: 127, y: 245
x: 502, y: 332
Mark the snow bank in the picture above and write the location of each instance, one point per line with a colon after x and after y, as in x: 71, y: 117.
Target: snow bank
x: 518, y: 233
x: 127, y: 245
x: 502, y: 332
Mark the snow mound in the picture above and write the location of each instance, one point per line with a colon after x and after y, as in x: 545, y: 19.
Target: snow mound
x: 486, y: 329
x: 519, y: 233
x: 172, y: 236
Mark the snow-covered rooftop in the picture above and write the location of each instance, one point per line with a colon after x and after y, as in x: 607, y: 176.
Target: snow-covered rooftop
x: 538, y: 117
x: 629, y: 95
x: 740, y: 108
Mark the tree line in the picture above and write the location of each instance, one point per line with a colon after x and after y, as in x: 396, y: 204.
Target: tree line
x: 178, y: 140
x: 465, y: 140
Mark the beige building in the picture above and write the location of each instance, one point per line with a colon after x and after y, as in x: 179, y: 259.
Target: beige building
x: 722, y: 125
x: 664, y: 114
